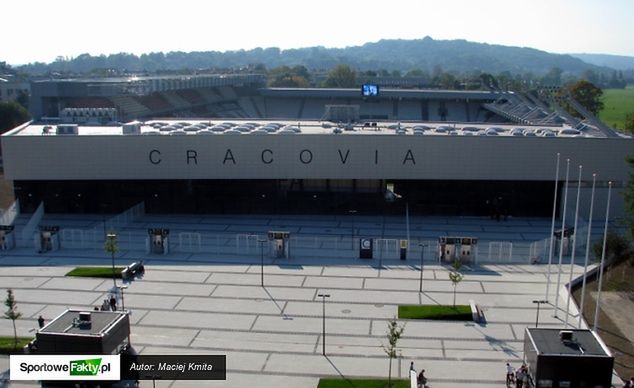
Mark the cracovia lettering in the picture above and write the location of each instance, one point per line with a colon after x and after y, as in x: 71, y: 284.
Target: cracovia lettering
x: 342, y: 157
x: 192, y: 155
x: 267, y: 159
x: 409, y: 157
x: 306, y: 156
x: 155, y: 156
x: 229, y: 156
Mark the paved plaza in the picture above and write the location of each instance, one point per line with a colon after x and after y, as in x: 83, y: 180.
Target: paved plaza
x: 204, y: 303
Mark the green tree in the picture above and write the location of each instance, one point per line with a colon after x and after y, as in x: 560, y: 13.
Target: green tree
x: 12, y: 114
x: 111, y: 246
x: 394, y: 333
x: 456, y: 277
x: 588, y: 95
x: 341, y: 76
x: 12, y: 314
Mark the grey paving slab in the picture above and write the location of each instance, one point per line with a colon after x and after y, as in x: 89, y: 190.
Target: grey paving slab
x: 317, y: 364
x: 164, y: 288
x: 288, y: 268
x: 303, y: 343
x: 70, y: 283
x: 501, y: 356
x: 341, y: 310
x: 450, y: 330
x: 511, y: 287
x: 189, y: 267
x: 162, y: 336
x: 139, y: 301
x: 333, y: 282
x: 277, y: 293
x: 54, y: 296
x: 252, y: 306
x: 254, y: 279
x: 21, y: 282
x: 198, y: 320
x: 360, y: 271
x: 410, y: 272
x: 310, y: 325
x: 517, y: 345
x: 375, y: 297
x: 28, y: 310
x: 32, y: 271
x: 413, y: 285
x: 174, y: 275
x: 517, y: 315
x: 52, y: 311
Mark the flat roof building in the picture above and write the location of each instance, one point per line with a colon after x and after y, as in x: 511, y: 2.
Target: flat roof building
x: 567, y: 358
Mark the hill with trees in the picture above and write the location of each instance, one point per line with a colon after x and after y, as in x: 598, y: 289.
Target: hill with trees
x: 424, y: 54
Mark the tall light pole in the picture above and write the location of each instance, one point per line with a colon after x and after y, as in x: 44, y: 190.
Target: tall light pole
x: 561, y: 242
x: 585, y: 264
x: 552, y: 228
x: 121, y: 288
x: 323, y: 320
x: 111, y: 246
x: 352, y: 213
x: 261, y: 241
x: 422, y: 255
x: 574, y: 245
x: 605, y: 238
x: 538, y: 302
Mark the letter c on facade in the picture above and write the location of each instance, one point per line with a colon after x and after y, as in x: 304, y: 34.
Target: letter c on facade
x: 270, y: 159
x: 155, y: 156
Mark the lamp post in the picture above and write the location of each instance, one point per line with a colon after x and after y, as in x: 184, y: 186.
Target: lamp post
x: 261, y: 241
x: 538, y: 302
x: 422, y: 254
x: 121, y: 288
x: 352, y: 213
x: 111, y: 246
x: 323, y: 335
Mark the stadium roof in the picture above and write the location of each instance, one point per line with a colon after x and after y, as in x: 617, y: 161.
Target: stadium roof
x: 270, y: 127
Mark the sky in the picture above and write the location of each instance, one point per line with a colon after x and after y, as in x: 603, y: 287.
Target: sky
x: 41, y: 30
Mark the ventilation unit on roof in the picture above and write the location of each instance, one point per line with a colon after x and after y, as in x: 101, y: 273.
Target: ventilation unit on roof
x: 565, y: 335
x: 67, y: 129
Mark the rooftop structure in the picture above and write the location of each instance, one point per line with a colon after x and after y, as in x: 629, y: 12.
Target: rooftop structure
x: 84, y: 332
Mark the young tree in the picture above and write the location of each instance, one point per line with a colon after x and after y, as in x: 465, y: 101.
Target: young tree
x: 394, y: 333
x: 111, y: 246
x: 456, y: 277
x: 12, y: 314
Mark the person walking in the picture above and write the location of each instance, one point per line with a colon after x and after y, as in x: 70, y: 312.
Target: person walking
x: 510, y: 374
x: 519, y: 377
x: 421, y: 380
x: 40, y: 321
x: 113, y: 303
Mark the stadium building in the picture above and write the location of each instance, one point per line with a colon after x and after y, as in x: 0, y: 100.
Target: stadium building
x: 227, y: 144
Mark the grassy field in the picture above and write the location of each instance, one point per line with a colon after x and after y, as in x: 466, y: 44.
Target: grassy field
x: 618, y: 102
x: 7, y: 343
x: 361, y: 383
x: 96, y: 272
x: 458, y: 313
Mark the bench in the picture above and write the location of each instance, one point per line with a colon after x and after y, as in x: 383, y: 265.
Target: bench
x: 476, y: 312
x: 132, y: 270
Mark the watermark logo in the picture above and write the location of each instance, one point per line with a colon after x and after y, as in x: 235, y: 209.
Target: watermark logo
x: 65, y: 367
x: 87, y: 367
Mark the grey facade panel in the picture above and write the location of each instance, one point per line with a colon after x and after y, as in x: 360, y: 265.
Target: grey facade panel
x: 310, y: 157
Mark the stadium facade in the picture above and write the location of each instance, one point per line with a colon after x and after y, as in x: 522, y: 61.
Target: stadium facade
x: 260, y: 150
